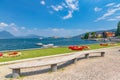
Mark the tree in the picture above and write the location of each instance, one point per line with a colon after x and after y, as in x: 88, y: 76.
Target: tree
x: 86, y: 36
x: 104, y: 35
x: 118, y: 29
x: 93, y: 34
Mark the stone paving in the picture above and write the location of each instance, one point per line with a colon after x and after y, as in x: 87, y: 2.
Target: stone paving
x: 94, y: 68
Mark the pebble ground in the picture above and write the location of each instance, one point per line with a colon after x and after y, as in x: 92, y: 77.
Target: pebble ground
x: 94, y: 68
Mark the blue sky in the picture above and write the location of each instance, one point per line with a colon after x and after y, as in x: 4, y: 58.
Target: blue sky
x: 58, y: 17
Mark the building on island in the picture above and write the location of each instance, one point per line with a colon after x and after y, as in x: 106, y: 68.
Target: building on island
x: 110, y: 34
x: 101, y: 34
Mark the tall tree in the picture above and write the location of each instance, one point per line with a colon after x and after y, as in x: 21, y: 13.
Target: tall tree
x: 93, y: 34
x: 86, y: 36
x: 118, y: 29
x: 104, y: 35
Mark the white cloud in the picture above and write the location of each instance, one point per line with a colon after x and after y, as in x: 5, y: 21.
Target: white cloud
x: 68, y: 16
x: 15, y: 29
x: 22, y: 31
x: 64, y: 5
x: 69, y: 6
x: 118, y: 5
x: 72, y: 4
x: 23, y: 28
x: 61, y: 32
x: 42, y: 2
x: 2, y: 24
x: 118, y: 17
x: 51, y: 12
x: 57, y: 29
x: 57, y: 8
x: 96, y: 9
x: 112, y: 19
x: 110, y: 4
x: 35, y: 29
x: 12, y: 24
x: 109, y: 13
x: 12, y: 28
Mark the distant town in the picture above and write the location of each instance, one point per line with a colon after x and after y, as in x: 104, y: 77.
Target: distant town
x: 100, y: 35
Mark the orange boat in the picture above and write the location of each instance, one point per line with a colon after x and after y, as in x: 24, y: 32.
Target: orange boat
x: 1, y: 54
x: 78, y: 47
x: 103, y: 44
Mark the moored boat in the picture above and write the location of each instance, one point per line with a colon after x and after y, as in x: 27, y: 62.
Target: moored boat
x: 39, y: 44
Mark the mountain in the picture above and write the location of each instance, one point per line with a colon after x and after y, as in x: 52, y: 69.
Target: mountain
x: 79, y: 36
x: 6, y: 35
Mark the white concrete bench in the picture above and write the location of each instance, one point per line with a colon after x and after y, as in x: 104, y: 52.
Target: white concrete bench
x: 53, y: 63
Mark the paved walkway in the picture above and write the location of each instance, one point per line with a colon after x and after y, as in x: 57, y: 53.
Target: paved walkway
x: 94, y: 68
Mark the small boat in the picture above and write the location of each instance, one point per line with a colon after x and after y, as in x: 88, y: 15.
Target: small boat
x: 49, y: 46
x: 39, y: 44
x: 45, y: 46
x: 40, y: 38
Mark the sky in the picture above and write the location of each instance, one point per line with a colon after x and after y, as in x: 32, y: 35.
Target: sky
x: 58, y: 17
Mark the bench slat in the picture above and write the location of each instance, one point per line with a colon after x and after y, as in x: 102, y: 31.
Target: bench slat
x: 49, y: 62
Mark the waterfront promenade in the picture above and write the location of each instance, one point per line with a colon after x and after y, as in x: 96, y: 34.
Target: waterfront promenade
x: 94, y: 68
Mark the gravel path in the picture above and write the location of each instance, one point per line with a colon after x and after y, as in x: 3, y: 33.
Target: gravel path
x: 94, y: 68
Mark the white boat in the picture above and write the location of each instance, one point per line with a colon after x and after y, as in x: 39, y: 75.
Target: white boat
x: 49, y: 46
x: 39, y: 44
x: 45, y: 46
x: 40, y: 38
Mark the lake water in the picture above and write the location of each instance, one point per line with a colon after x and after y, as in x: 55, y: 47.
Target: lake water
x: 16, y: 44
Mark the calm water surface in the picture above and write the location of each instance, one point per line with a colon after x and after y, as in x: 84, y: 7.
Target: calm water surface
x: 16, y: 44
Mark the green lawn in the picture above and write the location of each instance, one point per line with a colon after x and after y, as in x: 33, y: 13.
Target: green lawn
x: 47, y: 52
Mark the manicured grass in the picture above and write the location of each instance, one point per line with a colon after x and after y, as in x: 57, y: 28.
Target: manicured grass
x: 47, y: 52
x: 38, y: 53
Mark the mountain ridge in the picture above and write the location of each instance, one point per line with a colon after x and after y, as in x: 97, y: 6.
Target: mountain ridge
x: 6, y: 35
